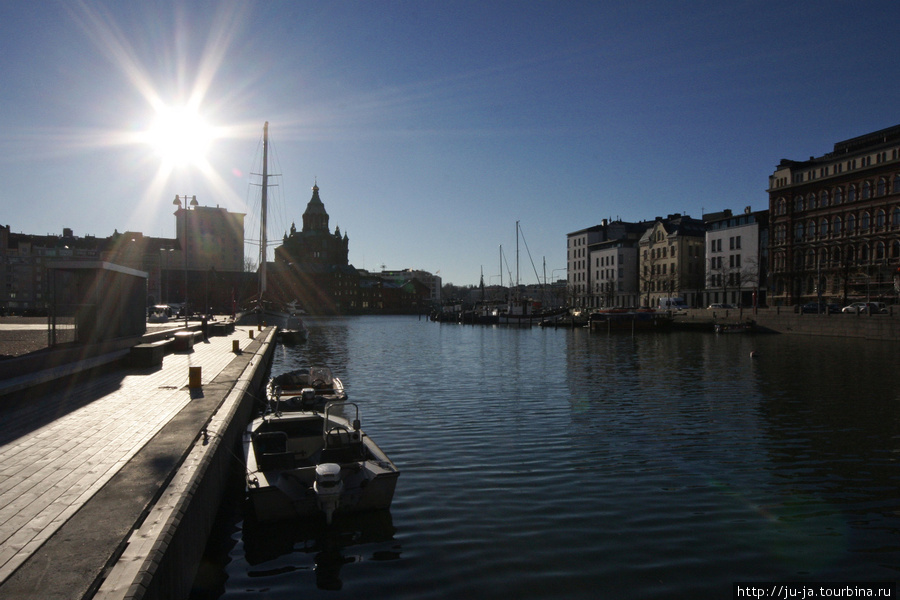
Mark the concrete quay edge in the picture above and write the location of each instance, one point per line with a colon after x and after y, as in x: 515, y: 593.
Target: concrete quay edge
x: 790, y: 320
x: 143, y: 534
x: 161, y: 560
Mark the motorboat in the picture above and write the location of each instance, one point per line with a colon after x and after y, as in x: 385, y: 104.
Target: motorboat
x: 746, y: 327
x: 305, y: 463
x: 305, y: 389
x: 615, y: 319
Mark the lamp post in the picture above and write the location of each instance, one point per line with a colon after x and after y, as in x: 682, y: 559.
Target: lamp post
x: 177, y: 202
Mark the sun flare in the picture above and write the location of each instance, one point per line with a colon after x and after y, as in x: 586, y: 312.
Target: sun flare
x: 180, y: 136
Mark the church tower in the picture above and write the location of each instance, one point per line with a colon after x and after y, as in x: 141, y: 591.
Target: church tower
x: 315, y: 218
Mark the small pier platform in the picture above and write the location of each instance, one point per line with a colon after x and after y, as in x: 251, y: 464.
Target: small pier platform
x: 109, y: 482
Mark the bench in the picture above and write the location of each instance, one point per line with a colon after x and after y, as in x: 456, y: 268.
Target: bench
x: 220, y: 329
x: 148, y: 355
x: 184, y: 340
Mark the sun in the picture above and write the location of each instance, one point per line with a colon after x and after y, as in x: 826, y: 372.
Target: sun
x: 180, y: 136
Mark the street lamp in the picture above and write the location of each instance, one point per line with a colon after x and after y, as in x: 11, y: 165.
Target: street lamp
x: 177, y: 202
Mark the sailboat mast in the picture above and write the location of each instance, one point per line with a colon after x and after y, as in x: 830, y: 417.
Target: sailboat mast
x: 517, y: 259
x: 263, y: 241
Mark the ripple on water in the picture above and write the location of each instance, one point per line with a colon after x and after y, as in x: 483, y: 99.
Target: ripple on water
x: 562, y: 463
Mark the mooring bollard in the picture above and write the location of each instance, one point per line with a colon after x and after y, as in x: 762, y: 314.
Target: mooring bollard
x: 235, y: 346
x: 251, y: 334
x: 194, y: 377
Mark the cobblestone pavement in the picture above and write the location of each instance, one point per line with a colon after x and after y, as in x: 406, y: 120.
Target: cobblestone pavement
x: 49, y: 467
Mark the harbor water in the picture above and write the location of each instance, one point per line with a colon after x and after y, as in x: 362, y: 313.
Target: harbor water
x: 560, y: 463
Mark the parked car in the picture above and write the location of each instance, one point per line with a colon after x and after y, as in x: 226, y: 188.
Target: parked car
x: 718, y: 306
x: 870, y: 307
x: 820, y: 308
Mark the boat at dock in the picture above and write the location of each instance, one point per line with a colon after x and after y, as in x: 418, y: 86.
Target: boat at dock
x: 308, y: 462
x: 629, y: 320
x: 746, y: 327
x: 262, y: 309
x: 305, y: 389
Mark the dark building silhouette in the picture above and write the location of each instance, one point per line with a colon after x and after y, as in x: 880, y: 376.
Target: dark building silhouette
x: 312, y: 268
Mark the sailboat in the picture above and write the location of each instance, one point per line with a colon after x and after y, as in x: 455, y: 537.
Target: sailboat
x: 520, y: 311
x: 264, y: 310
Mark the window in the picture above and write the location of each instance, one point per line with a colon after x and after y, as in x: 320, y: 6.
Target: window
x: 823, y: 227
x: 811, y: 201
x: 823, y: 199
x: 895, y: 217
x: 896, y: 187
x: 882, y: 186
x: 737, y: 242
x: 864, y: 222
x: 866, y: 190
x: 839, y: 195
x: 879, y: 219
x: 851, y: 194
x: 798, y: 203
x: 851, y: 224
x: 798, y: 231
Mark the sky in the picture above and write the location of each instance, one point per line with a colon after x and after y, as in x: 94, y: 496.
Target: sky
x: 431, y: 128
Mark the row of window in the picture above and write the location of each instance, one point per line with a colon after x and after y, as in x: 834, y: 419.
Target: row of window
x: 734, y: 243
x: 836, y: 226
x: 839, y: 257
x: 838, y: 168
x: 826, y: 198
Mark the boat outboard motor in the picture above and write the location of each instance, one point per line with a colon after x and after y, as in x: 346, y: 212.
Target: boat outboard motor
x: 328, y: 487
x: 307, y: 398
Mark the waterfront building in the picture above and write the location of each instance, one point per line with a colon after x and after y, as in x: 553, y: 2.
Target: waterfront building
x: 736, y: 258
x: 209, y: 238
x: 614, y: 266
x: 312, y: 267
x: 23, y: 266
x: 835, y: 223
x: 211, y: 275
x: 582, y: 273
x: 431, y: 281
x: 672, y: 260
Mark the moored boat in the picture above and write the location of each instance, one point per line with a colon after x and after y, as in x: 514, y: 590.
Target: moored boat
x: 629, y: 320
x: 746, y: 327
x: 305, y: 389
x: 307, y: 462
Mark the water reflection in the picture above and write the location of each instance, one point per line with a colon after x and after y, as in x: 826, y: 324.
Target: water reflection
x: 566, y: 463
x: 273, y: 549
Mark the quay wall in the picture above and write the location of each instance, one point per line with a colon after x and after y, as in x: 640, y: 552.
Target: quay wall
x: 163, y: 555
x: 788, y: 320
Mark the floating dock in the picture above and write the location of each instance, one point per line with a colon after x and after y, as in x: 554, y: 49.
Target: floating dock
x: 109, y: 483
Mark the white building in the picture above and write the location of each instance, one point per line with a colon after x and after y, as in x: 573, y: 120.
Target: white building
x: 614, y: 266
x: 735, y: 267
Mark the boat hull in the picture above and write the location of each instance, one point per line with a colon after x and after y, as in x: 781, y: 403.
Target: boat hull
x: 630, y: 321
x: 283, y: 452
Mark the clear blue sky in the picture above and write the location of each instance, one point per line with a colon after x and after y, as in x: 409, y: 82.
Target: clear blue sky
x: 432, y: 127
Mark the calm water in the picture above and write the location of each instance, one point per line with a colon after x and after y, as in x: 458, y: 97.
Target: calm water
x: 564, y: 463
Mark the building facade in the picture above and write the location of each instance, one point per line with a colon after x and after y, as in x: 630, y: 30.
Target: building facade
x: 835, y: 223
x: 736, y: 258
x: 583, y: 270
x: 614, y: 279
x: 312, y: 267
x: 672, y: 260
